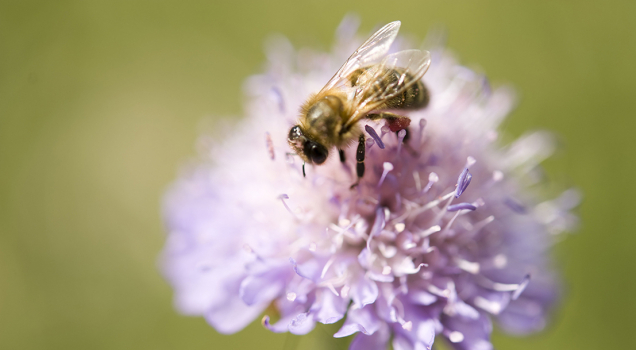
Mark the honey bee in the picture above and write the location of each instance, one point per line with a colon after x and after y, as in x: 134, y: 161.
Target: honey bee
x: 368, y: 85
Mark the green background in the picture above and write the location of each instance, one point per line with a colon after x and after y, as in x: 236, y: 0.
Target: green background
x: 101, y: 101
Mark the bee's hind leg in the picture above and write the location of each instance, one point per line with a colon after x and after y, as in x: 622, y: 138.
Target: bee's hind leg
x: 360, y: 160
x: 342, y: 155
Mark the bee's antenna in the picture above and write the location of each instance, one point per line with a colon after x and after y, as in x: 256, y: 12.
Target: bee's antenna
x: 304, y: 174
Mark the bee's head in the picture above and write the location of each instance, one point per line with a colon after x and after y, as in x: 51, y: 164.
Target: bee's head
x: 310, y: 151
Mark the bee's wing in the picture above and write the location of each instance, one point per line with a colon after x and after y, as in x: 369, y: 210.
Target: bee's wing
x: 372, y: 49
x: 412, y: 64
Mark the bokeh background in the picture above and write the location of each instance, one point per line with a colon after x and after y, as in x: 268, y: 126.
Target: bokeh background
x: 101, y: 101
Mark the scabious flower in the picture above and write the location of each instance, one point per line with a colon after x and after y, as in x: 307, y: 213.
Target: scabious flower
x: 446, y: 232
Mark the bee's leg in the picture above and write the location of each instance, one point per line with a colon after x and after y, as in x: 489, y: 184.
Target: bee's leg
x: 342, y: 155
x: 360, y: 160
x: 304, y: 175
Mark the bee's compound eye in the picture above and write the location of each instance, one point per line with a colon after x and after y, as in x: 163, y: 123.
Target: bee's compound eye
x: 295, y: 133
x: 317, y: 153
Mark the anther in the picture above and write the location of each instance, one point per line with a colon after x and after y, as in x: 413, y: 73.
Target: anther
x: 461, y: 206
x: 463, y: 181
x: 375, y: 135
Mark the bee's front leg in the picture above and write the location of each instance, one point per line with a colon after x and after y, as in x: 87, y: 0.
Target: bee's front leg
x: 360, y: 159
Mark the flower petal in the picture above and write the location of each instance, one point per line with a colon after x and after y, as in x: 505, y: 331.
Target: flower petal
x: 363, y: 291
x: 233, y: 315
x: 328, y: 307
x: 375, y: 341
x: 360, y: 320
x: 465, y: 334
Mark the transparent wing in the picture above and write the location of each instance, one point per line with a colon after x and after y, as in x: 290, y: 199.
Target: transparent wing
x: 372, y: 49
x: 394, y: 75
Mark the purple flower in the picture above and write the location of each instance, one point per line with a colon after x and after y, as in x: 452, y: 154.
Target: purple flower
x: 398, y: 257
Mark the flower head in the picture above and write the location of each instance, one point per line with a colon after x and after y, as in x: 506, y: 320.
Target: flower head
x: 446, y: 231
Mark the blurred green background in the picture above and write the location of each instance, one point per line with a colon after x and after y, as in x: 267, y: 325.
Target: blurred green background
x: 101, y: 101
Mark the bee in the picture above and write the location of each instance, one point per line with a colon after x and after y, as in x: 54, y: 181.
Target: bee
x: 369, y: 85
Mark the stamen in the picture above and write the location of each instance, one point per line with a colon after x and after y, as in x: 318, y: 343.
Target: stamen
x: 270, y: 146
x: 429, y: 231
x: 327, y: 266
x: 420, y: 134
x: 282, y: 198
x: 522, y: 287
x: 369, y: 143
x: 461, y: 206
x: 386, y: 270
x: 332, y: 289
x: 450, y: 222
x: 399, y: 227
x: 500, y: 261
x: 265, y: 321
x: 385, y: 130
x: 479, y: 225
x: 462, y: 182
x: 387, y: 167
x: 344, y: 292
x: 426, y: 207
x: 515, y: 206
x: 374, y: 135
x: 401, y: 135
x: 432, y: 179
x: 404, y: 288
x: 422, y: 126
x: 408, y: 326
x: 344, y: 221
x: 470, y: 161
x: 456, y: 337
x: 497, y: 175
x: 418, y: 182
x: 468, y: 266
x: 387, y: 251
x: 490, y: 306
x: 444, y: 293
x: 291, y: 296
x: 378, y: 225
